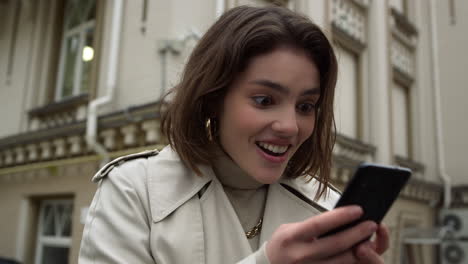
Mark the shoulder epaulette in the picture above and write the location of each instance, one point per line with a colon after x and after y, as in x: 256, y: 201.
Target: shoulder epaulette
x: 104, y: 171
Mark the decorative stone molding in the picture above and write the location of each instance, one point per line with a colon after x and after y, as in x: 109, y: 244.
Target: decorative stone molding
x: 402, y: 48
x: 416, y: 167
x: 60, y: 147
x: 32, y: 152
x: 421, y: 190
x: 151, y: 128
x: 109, y: 137
x: 9, y: 158
x: 133, y: 127
x: 401, y: 22
x: 59, y: 113
x: 46, y: 150
x: 363, y: 3
x: 20, y: 155
x: 349, y: 19
x: 129, y: 133
x: 76, y: 144
x: 349, y: 152
x: 403, y: 62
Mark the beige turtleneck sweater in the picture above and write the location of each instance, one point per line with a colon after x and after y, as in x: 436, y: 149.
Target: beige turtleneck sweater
x: 247, y: 196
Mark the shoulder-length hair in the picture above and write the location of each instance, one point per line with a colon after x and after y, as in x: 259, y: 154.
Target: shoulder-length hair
x: 221, y: 54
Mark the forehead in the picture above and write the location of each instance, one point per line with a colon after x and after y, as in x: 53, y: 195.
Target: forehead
x: 287, y: 66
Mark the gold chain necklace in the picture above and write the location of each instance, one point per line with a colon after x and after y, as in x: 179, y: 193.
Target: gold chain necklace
x: 255, y: 230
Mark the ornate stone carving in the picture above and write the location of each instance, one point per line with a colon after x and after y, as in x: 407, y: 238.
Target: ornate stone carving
x: 109, y: 137
x: 348, y: 152
x: 60, y: 148
x: 8, y: 154
x: 32, y: 152
x: 416, y: 167
x: 46, y: 150
x: 59, y: 113
x: 402, y: 59
x: 349, y: 17
x: 129, y: 134
x: 20, y: 155
x: 151, y: 129
x: 75, y: 144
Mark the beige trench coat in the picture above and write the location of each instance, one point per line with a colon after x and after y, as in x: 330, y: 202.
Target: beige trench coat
x: 148, y: 209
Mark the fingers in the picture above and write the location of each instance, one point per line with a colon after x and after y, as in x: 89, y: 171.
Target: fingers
x: 365, y: 254
x: 315, y: 226
x: 346, y: 257
x: 382, y: 240
x: 343, y: 241
x: 299, y: 242
x: 370, y: 252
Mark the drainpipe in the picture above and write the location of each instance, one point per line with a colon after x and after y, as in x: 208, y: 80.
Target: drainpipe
x: 91, y: 121
x: 438, y: 109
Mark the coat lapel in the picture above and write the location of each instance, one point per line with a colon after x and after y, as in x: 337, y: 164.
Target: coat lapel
x: 225, y: 241
x: 289, y: 201
x: 186, y: 228
x: 177, y: 230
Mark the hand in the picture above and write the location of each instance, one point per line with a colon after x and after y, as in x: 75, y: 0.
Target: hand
x: 370, y: 252
x: 298, y: 242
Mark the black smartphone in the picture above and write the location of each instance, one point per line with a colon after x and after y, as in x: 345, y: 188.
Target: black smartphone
x: 374, y: 187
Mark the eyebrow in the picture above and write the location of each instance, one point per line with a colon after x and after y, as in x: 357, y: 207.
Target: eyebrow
x: 283, y: 89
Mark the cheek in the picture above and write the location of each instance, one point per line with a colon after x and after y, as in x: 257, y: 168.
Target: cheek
x: 244, y: 120
x: 307, y: 127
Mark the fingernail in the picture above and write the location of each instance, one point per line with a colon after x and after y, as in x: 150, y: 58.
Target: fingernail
x: 362, y: 252
x: 372, y: 227
x: 356, y: 210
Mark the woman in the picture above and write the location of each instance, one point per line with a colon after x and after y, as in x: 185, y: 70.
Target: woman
x: 250, y: 121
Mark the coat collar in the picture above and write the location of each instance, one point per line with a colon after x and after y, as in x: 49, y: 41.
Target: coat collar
x: 171, y: 184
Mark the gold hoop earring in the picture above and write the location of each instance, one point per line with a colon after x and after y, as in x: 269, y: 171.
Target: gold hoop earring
x: 209, y: 129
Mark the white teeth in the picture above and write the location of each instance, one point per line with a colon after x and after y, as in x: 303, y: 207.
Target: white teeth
x: 273, y: 148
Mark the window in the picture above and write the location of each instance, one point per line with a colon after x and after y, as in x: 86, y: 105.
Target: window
x: 54, y: 232
x: 400, y: 120
x: 346, y: 102
x: 77, y: 49
x: 349, y: 28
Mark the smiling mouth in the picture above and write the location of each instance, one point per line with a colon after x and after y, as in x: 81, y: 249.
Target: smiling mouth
x: 273, y: 150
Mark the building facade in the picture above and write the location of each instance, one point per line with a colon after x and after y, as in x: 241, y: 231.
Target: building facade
x: 81, y: 83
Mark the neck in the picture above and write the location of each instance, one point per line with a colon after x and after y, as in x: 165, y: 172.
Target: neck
x: 231, y: 175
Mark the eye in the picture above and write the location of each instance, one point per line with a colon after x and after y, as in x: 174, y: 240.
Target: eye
x: 306, y: 108
x: 263, y: 100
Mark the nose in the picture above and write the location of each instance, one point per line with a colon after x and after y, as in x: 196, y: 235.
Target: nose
x: 286, y: 123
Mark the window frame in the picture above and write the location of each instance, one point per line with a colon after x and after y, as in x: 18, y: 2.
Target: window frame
x: 406, y: 92
x: 341, y: 49
x: 56, y: 241
x: 78, y: 67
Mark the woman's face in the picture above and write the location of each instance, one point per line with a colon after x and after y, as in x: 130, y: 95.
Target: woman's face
x: 269, y: 111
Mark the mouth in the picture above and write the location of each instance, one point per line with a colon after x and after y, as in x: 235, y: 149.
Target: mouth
x: 272, y: 149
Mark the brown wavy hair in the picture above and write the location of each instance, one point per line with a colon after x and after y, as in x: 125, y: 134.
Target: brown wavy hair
x: 225, y: 50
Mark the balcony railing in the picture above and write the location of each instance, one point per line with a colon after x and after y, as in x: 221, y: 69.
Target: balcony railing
x: 132, y: 127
